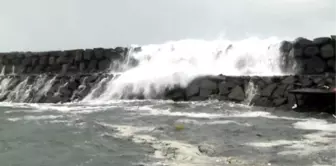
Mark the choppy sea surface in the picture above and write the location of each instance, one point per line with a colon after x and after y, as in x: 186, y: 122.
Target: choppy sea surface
x: 158, y: 133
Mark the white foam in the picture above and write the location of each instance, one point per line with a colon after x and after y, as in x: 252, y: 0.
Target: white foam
x: 30, y: 117
x: 178, y: 62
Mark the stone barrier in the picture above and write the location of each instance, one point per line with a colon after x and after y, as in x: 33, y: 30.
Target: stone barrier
x: 61, y: 62
x: 304, y: 56
x: 259, y: 91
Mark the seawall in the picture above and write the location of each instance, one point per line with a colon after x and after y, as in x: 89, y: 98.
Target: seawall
x: 70, y: 75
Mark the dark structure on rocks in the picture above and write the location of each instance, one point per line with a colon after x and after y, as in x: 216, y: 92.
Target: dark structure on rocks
x: 65, y: 76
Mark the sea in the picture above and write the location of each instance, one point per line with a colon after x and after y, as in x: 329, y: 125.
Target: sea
x: 106, y: 130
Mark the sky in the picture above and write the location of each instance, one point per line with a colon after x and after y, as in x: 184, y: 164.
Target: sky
x: 36, y: 25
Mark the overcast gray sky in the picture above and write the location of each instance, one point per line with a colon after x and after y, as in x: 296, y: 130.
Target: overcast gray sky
x: 65, y: 24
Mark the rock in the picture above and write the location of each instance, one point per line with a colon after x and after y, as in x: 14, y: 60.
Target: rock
x: 175, y: 93
x: 314, y: 65
x: 291, y: 100
x: 205, y: 92
x: 261, y: 101
x: 327, y: 51
x: 92, y: 65
x: 78, y: 55
x: 192, y: 90
x: 65, y: 68
x: 43, y: 60
x: 225, y: 87
x: 207, y: 84
x: 295, y: 52
x: 197, y: 98
x: 301, y: 42
x: 279, y: 101
x: 306, y: 82
x: 331, y: 64
x: 289, y: 80
x: 62, y: 58
x: 311, y: 51
x: 52, y: 60
x: 280, y: 91
x: 103, y: 64
x: 64, y: 91
x: 285, y: 46
x: 87, y: 54
x: 206, y: 149
x: 268, y: 91
x: 82, y: 67
x: 237, y: 94
x: 321, y: 41
x: 98, y: 53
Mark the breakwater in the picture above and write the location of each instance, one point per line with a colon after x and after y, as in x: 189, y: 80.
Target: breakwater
x: 73, y: 75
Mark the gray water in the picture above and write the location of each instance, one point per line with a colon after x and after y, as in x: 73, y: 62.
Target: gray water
x: 126, y: 133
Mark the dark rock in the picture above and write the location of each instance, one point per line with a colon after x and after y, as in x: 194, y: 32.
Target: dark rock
x: 225, y: 87
x: 331, y: 64
x: 176, y: 94
x: 301, y: 42
x: 295, y: 52
x: 207, y: 84
x: 289, y: 80
x: 62, y: 58
x: 197, y: 98
x: 268, y: 91
x: 237, y: 94
x: 279, y: 101
x: 92, y: 65
x: 192, y: 90
x: 78, y: 55
x: 52, y: 60
x: 291, y: 100
x: 65, y: 68
x: 261, y: 101
x: 82, y: 67
x: 321, y: 41
x: 87, y: 55
x: 285, y: 46
x: 280, y: 91
x: 327, y: 51
x: 103, y: 64
x: 311, y: 51
x: 314, y: 65
x: 43, y: 60
x: 205, y: 92
x: 306, y: 82
x: 64, y: 90
x: 99, y: 53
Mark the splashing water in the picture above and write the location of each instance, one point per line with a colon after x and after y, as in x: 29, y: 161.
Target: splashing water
x: 177, y: 63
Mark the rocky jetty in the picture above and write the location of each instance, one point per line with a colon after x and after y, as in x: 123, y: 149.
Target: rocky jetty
x: 70, y: 75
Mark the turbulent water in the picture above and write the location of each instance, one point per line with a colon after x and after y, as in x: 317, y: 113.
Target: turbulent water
x: 102, y: 130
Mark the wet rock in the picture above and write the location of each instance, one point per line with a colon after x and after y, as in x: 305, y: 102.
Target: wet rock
x: 197, y: 98
x: 280, y: 91
x: 206, y: 149
x: 285, y: 46
x: 327, y: 51
x: 295, y: 52
x: 225, y: 87
x: 306, y: 82
x: 65, y: 68
x: 78, y: 55
x: 52, y: 60
x: 98, y: 53
x: 62, y: 58
x: 175, y: 94
x: 279, y: 101
x: 268, y: 91
x: 321, y: 41
x: 314, y: 65
x: 82, y: 67
x: 192, y: 90
x: 302, y: 42
x: 87, y: 54
x: 92, y: 65
x: 331, y: 64
x: 103, y: 64
x: 207, y: 84
x: 258, y: 100
x: 289, y: 80
x: 237, y: 94
x: 311, y: 51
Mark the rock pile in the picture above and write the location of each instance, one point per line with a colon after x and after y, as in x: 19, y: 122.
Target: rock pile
x: 304, y: 56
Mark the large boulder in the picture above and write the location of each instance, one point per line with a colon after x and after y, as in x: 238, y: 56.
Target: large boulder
x: 321, y: 41
x: 311, y: 51
x: 237, y: 94
x: 268, y: 91
x: 225, y: 87
x: 327, y: 51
